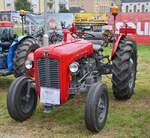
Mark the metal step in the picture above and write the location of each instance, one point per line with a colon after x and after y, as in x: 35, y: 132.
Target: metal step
x: 4, y: 72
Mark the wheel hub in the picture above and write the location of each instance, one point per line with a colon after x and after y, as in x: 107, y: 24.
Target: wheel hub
x: 27, y: 101
x: 101, y: 108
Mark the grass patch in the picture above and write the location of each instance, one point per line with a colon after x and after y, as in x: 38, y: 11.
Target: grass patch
x: 18, y: 31
x: 125, y: 119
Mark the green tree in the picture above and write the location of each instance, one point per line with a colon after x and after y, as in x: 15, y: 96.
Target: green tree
x: 23, y: 4
x: 64, y: 10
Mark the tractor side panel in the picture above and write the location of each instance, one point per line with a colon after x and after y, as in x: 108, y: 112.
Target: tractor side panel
x: 10, y: 56
x: 11, y: 52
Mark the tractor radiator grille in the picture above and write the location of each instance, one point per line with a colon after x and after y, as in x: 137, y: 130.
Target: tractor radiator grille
x: 48, y: 73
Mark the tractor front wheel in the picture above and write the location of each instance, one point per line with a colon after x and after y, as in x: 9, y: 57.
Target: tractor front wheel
x: 96, y: 107
x: 21, y: 99
x: 23, y: 50
x: 124, y: 70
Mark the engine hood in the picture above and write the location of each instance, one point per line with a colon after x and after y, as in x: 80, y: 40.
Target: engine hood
x: 71, y: 50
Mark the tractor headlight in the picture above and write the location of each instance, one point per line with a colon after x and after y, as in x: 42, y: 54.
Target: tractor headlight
x: 29, y: 64
x: 74, y: 67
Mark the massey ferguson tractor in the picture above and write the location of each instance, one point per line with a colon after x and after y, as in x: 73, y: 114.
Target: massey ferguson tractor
x: 61, y: 71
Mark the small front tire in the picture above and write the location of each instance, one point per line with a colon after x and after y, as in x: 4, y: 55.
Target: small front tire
x: 96, y: 107
x: 21, y: 101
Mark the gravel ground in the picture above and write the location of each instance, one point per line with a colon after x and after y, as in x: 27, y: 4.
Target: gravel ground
x: 4, y: 135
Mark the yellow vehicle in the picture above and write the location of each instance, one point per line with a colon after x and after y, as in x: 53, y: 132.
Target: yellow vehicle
x: 91, y: 21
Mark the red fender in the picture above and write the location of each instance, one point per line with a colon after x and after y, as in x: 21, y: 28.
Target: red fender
x: 31, y: 71
x: 123, y: 32
x: 116, y: 45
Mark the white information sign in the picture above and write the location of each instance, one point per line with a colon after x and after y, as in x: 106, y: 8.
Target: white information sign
x: 50, y: 95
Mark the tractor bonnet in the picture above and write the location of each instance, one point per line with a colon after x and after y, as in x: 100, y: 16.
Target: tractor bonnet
x: 69, y: 51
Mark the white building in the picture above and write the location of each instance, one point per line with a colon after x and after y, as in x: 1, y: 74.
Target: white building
x: 116, y: 2
x: 9, y: 5
x: 135, y: 6
x: 58, y: 5
x: 35, y: 6
x: 53, y: 6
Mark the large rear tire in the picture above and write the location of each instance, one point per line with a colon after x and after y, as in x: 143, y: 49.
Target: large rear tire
x: 124, y: 70
x: 96, y: 107
x: 24, y: 48
x: 21, y: 101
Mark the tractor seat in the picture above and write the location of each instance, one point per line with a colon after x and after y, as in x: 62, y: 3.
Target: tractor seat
x: 6, y: 40
x: 5, y: 45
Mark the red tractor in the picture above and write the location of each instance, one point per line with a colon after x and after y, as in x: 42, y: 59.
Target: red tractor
x: 63, y: 70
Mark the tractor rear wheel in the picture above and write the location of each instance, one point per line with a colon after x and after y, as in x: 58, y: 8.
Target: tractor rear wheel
x: 21, y: 99
x: 24, y: 48
x: 124, y: 70
x: 96, y: 107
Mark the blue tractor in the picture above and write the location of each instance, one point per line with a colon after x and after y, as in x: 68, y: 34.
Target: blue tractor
x: 14, y: 50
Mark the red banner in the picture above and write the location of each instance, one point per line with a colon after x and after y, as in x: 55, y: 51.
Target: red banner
x: 140, y: 21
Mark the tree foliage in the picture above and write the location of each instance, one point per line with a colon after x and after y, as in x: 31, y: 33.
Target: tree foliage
x: 23, y: 4
x: 64, y: 10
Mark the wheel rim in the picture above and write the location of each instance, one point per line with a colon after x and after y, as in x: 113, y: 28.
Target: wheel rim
x: 26, y: 100
x: 101, y: 108
x: 131, y: 81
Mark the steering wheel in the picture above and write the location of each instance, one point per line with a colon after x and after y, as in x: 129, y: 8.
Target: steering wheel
x: 88, y: 36
x: 82, y: 35
x: 75, y: 35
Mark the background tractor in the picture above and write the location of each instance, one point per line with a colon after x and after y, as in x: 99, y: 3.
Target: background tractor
x: 73, y: 66
x: 14, y: 50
